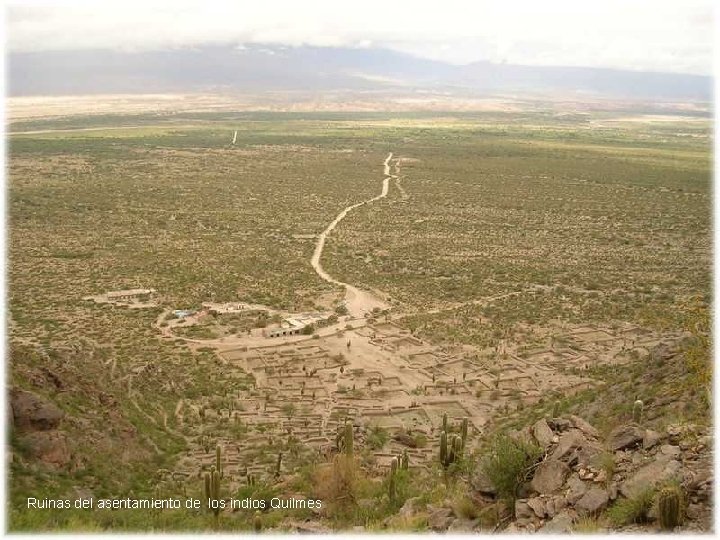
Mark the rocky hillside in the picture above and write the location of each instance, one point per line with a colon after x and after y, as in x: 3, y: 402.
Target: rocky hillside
x: 583, y: 483
x: 603, y: 460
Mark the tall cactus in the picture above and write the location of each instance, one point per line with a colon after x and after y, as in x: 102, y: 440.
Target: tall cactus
x: 212, y: 490
x: 464, y: 431
x: 404, y: 461
x: 278, y: 465
x: 445, y: 423
x: 670, y: 509
x: 556, y: 409
x: 450, y: 449
x: 392, y: 484
x: 349, y: 439
x: 443, y: 448
x: 218, y: 461
x: 457, y: 448
x: 637, y: 410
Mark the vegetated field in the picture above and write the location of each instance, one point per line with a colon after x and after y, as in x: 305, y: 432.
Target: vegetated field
x: 501, y: 222
x: 586, y: 223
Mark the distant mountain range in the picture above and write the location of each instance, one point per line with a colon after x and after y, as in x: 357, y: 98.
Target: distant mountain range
x: 257, y: 68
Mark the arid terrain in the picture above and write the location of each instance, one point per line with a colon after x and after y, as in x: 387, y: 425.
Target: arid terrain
x: 192, y: 282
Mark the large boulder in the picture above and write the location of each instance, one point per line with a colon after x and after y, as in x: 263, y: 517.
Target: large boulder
x: 412, y: 506
x: 439, y: 519
x: 550, y: 476
x: 542, y: 433
x: 481, y: 483
x: 554, y: 505
x: 32, y: 412
x: 651, y: 438
x: 538, y: 505
x: 626, y: 436
x: 561, y: 523
x: 576, y: 489
x: 523, y: 510
x: 574, y: 448
x: 50, y: 447
x: 663, y: 469
x: 594, y: 500
x: 583, y: 426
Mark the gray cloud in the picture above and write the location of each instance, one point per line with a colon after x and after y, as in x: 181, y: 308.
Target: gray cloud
x: 659, y: 35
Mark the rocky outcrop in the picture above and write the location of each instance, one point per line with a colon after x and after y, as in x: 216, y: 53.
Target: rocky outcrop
x: 662, y: 469
x: 550, y: 476
x: 50, y: 447
x: 624, y: 437
x: 32, y: 412
x: 542, y: 433
x: 594, y: 500
x: 582, y: 475
x: 36, y: 420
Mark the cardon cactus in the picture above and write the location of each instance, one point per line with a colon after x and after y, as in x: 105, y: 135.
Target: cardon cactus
x: 457, y: 448
x: 392, y: 484
x: 212, y: 490
x: 637, y: 410
x: 450, y: 449
x: 445, y: 423
x: 348, y: 438
x: 218, y: 461
x: 404, y: 461
x: 670, y: 507
x: 278, y: 465
x: 556, y: 409
x: 464, y: 431
x: 443, y: 448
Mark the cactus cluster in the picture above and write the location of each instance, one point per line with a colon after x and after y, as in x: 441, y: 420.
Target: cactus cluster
x: 452, y: 445
x: 397, y: 464
x: 212, y: 482
x: 212, y: 490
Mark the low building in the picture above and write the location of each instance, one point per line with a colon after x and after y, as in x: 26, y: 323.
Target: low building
x: 129, y: 295
x: 296, y: 324
x: 284, y: 331
x: 227, y: 307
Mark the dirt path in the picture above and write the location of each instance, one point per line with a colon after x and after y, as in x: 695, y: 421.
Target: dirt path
x: 357, y: 301
x: 398, y: 179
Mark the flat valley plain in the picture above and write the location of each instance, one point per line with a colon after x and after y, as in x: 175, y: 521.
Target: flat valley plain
x: 527, y: 257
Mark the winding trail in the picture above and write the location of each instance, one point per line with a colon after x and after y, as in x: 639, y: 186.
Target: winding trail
x: 357, y: 301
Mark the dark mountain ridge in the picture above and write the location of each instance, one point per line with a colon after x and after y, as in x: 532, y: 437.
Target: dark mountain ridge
x: 257, y: 68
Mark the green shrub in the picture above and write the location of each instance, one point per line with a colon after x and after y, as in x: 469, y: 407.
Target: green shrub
x: 632, y: 510
x: 507, y: 464
x: 377, y: 438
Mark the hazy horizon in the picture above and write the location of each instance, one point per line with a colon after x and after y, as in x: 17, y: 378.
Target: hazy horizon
x: 642, y: 36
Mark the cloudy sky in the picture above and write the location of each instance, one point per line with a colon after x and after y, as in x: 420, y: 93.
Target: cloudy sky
x: 657, y: 35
